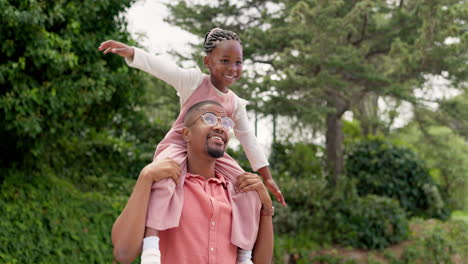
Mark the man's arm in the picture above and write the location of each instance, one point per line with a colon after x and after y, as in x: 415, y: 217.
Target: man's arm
x: 128, y: 230
x: 263, y: 249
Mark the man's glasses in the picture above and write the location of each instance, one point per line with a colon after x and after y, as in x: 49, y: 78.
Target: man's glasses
x: 211, y: 120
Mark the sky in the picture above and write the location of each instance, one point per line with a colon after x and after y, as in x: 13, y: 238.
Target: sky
x: 146, y: 17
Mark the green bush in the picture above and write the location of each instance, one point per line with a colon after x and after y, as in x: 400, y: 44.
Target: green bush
x: 54, y: 83
x: 295, y: 249
x: 384, y: 169
x: 371, y: 222
x: 306, y: 207
x: 123, y: 150
x: 338, y: 214
x: 45, y: 219
x: 299, y: 160
x: 437, y: 243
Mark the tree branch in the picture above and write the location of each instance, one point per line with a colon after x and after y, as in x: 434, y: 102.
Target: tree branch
x: 377, y: 52
x: 363, y: 32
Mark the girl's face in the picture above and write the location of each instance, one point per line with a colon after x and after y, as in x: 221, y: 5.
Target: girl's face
x: 225, y: 64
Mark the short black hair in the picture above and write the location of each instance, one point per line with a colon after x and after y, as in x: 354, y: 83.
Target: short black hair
x: 195, y: 107
x: 216, y: 35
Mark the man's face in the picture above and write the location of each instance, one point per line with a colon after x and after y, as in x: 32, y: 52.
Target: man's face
x: 205, y: 139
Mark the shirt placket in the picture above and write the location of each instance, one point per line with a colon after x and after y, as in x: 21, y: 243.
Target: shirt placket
x: 212, y: 250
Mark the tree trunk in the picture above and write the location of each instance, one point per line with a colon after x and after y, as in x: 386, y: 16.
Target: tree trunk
x: 334, y: 138
x: 334, y: 147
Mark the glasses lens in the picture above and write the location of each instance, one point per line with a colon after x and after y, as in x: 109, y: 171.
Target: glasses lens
x: 227, y: 123
x: 210, y: 119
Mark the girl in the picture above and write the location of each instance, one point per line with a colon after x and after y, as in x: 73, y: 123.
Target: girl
x: 224, y: 60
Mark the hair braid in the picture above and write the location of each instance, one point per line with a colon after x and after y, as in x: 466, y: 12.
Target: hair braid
x: 216, y: 35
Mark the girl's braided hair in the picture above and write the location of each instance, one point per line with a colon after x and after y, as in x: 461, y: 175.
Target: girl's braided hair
x: 216, y: 35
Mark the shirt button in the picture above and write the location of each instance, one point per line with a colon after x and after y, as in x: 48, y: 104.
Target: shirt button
x: 212, y: 249
x: 212, y: 223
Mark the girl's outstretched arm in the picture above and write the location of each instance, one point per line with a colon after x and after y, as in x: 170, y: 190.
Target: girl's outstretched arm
x: 263, y: 249
x: 245, y: 134
x: 128, y: 230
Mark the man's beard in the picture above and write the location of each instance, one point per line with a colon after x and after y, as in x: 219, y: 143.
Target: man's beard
x: 215, y: 153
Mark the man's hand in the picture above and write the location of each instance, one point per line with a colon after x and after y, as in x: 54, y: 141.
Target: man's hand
x: 161, y: 169
x: 273, y: 187
x: 117, y: 48
x: 252, y: 182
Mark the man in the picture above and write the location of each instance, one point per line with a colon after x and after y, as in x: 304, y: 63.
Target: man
x: 203, y: 234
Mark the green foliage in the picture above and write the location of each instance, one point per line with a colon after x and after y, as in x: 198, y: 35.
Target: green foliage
x: 448, y: 165
x: 55, y: 84
x: 460, y: 216
x: 295, y: 249
x: 438, y: 243
x: 300, y: 160
x: 454, y: 114
x: 382, y: 168
x: 331, y: 259
x: 47, y: 220
x: 352, y: 131
x: 338, y: 215
x: 369, y: 222
x: 306, y: 207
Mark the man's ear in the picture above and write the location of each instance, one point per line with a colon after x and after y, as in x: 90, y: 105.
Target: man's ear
x: 186, y: 134
x: 206, y: 61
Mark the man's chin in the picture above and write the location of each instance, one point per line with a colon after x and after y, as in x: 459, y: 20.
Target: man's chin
x: 215, y: 153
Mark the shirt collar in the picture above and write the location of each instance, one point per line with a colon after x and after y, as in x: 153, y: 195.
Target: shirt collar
x: 219, y: 178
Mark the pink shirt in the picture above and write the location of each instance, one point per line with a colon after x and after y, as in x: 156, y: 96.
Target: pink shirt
x: 204, y: 231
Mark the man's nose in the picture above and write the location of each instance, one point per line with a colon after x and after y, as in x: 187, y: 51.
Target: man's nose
x: 218, y: 127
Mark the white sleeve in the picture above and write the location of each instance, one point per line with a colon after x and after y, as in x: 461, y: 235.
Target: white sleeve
x: 185, y: 81
x: 246, y: 136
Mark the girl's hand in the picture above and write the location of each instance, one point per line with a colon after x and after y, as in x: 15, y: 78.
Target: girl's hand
x: 273, y: 187
x: 161, y: 169
x: 250, y: 182
x: 117, y: 48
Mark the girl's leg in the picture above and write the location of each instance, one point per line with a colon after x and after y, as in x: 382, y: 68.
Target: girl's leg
x: 150, y: 252
x: 245, y: 206
x: 244, y: 256
x: 166, y: 199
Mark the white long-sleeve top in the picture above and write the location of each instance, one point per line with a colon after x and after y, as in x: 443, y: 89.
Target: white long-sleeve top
x: 186, y: 81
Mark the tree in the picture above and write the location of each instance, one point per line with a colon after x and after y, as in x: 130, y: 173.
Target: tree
x: 453, y: 113
x: 439, y: 136
x: 55, y: 86
x: 324, y: 57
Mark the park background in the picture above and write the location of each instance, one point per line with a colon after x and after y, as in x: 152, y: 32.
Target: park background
x: 364, y: 102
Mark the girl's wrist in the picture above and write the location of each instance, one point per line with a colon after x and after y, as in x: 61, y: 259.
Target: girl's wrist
x: 132, y: 54
x: 267, y: 210
x: 145, y: 176
x: 265, y: 197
